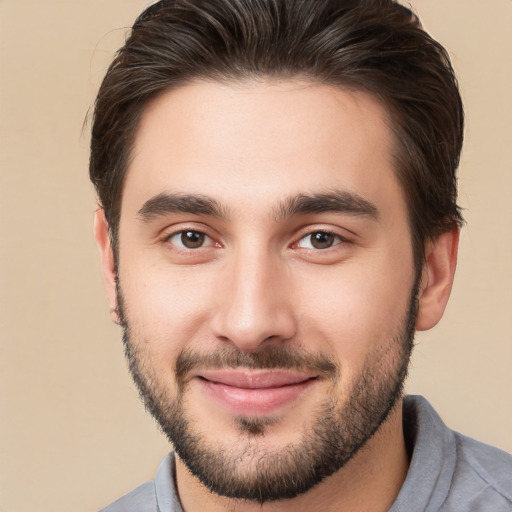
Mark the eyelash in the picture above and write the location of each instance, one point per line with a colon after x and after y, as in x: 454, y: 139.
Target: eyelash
x: 182, y: 232
x: 338, y: 239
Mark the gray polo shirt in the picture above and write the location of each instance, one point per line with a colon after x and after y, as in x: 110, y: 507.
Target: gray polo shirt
x: 449, y: 472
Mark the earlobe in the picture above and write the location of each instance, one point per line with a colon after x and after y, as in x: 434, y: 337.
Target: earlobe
x: 437, y: 279
x: 103, y: 242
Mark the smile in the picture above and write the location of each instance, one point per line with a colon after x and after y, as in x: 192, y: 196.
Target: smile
x: 254, y: 392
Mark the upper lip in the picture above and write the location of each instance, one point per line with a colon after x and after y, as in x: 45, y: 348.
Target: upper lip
x: 255, y: 379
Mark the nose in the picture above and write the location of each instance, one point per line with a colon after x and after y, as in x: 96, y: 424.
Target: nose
x: 255, y: 303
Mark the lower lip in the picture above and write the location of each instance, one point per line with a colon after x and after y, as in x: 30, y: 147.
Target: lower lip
x: 254, y: 401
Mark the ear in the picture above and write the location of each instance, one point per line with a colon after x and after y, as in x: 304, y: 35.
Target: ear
x: 102, y: 237
x: 437, y: 279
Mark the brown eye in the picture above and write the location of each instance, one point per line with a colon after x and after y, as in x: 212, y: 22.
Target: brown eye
x: 319, y: 240
x: 322, y: 240
x: 192, y: 239
x: 190, y: 243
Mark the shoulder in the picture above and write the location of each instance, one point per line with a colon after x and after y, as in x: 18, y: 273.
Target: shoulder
x: 158, y: 495
x: 448, y: 471
x: 141, y: 499
x: 483, y: 473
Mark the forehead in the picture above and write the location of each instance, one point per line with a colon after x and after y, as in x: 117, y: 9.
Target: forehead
x: 253, y: 143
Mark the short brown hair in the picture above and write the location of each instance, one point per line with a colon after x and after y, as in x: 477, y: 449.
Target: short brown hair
x: 376, y: 46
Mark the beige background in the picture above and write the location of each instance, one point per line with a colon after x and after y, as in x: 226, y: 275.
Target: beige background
x: 73, y: 435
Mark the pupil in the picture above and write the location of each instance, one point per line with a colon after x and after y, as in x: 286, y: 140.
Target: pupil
x: 322, y: 240
x: 192, y: 239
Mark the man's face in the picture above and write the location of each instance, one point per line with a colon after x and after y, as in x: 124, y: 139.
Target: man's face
x: 266, y: 279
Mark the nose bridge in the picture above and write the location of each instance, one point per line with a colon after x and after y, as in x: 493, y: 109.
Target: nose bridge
x: 255, y: 305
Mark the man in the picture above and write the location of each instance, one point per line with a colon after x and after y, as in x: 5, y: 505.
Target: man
x: 278, y: 217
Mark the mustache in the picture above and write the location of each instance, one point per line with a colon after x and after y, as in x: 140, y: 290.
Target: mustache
x: 268, y: 358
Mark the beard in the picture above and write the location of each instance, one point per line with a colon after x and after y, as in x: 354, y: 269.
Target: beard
x: 246, y: 470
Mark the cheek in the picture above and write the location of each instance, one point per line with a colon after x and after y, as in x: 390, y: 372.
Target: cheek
x: 355, y: 310
x: 167, y: 309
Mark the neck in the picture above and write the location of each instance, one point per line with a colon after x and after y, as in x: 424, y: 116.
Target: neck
x: 371, y: 480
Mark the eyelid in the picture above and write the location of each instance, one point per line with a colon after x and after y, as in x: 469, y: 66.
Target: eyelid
x: 310, y: 230
x: 173, y: 231
x: 309, y: 245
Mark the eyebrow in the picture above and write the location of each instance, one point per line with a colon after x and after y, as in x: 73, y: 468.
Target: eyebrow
x: 301, y: 204
x: 335, y: 201
x: 163, y: 204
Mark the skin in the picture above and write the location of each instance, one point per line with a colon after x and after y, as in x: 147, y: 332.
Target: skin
x: 257, y: 280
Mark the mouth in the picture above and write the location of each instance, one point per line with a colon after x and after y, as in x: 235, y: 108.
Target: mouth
x: 254, y: 392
